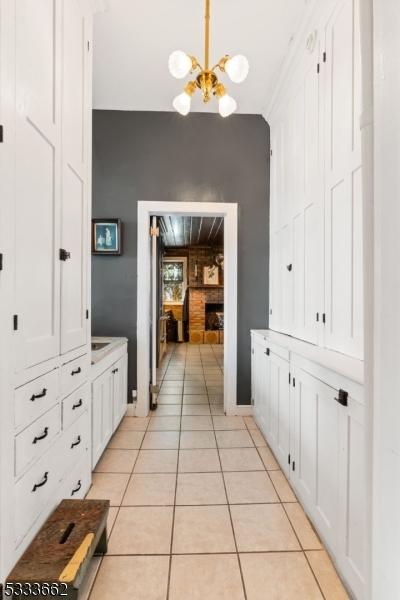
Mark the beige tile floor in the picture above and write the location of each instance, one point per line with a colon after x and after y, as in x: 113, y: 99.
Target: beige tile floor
x: 199, y: 507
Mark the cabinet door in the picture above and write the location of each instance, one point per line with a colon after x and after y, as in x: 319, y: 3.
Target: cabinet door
x: 97, y: 427
x: 75, y: 174
x: 286, y: 278
x: 308, y: 224
x: 343, y: 193
x: 316, y: 449
x: 278, y: 426
x: 37, y: 177
x: 119, y: 390
x: 261, y: 384
x: 107, y: 407
x: 102, y: 413
x: 352, y: 496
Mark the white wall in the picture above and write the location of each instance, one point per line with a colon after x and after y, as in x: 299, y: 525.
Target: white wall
x: 386, y: 366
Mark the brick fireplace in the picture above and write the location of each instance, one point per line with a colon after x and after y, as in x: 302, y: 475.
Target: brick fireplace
x: 198, y: 298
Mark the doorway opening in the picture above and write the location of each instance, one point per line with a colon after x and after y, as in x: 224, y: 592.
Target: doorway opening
x: 189, y: 320
x: 187, y: 306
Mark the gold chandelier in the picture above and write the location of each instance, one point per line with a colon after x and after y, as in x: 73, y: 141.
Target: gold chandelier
x: 181, y: 64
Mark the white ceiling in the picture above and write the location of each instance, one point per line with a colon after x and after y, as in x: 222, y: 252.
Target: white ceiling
x: 133, y: 39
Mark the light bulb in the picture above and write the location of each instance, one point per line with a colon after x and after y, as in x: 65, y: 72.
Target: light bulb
x: 237, y: 68
x: 179, y: 64
x: 182, y: 103
x: 227, y: 105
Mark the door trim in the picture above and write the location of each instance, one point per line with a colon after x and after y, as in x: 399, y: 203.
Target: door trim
x: 205, y: 209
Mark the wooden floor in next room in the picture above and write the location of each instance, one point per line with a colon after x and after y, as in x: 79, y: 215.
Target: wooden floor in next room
x: 199, y: 506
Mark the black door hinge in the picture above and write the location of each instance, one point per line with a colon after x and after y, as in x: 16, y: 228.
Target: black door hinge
x: 294, y: 381
x: 294, y: 465
x: 1, y: 261
x: 324, y: 57
x: 318, y: 68
x: 323, y: 317
x: 87, y: 313
x: 288, y: 459
x: 64, y: 255
x: 1, y: 134
x: 15, y: 322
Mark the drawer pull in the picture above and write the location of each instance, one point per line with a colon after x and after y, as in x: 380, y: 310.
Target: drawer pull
x: 78, y: 404
x: 42, y: 483
x: 76, y: 372
x: 41, y: 395
x: 78, y: 487
x: 115, y: 371
x: 78, y: 441
x: 41, y: 437
x: 267, y: 351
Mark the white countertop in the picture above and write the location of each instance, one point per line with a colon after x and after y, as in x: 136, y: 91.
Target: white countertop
x: 350, y: 367
x: 112, y: 344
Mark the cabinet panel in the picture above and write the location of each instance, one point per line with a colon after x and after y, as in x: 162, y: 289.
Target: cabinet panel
x: 261, y: 383
x: 119, y: 390
x: 278, y: 427
x: 102, y: 414
x: 343, y: 211
x: 353, y: 523
x: 316, y: 451
x: 37, y: 191
x: 74, y: 177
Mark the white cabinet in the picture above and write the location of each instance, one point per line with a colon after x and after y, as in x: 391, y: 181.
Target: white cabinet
x: 316, y: 210
x: 313, y: 420
x: 315, y: 451
x: 260, y: 381
x: 37, y: 189
x: 52, y: 177
x: 45, y: 104
x: 109, y: 398
x: 76, y: 121
x: 120, y: 389
x: 102, y: 414
x: 271, y: 401
x: 343, y: 174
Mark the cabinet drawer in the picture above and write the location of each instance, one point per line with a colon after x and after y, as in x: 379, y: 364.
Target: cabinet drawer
x: 35, y: 398
x: 33, y: 442
x: 77, y: 483
x: 75, y: 441
x: 34, y: 491
x: 74, y: 374
x: 75, y: 405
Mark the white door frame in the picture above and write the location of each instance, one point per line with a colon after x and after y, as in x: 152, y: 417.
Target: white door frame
x: 202, y: 209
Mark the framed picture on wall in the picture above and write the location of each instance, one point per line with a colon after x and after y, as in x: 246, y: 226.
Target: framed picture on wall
x: 211, y: 275
x: 106, y: 237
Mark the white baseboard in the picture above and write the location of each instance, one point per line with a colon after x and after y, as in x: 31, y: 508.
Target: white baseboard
x: 131, y: 410
x: 244, y: 410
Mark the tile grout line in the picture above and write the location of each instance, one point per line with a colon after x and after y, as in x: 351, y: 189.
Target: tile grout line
x: 230, y: 516
x: 176, y: 488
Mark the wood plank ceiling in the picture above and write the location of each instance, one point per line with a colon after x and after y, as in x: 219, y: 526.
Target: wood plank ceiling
x: 178, y: 231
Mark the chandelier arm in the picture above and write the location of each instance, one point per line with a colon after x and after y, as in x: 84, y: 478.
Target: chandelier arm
x: 207, y: 37
x: 221, y: 63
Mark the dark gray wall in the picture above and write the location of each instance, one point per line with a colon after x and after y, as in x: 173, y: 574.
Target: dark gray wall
x: 166, y: 157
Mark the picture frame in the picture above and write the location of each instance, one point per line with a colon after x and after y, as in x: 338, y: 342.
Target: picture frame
x: 211, y: 275
x: 107, y: 237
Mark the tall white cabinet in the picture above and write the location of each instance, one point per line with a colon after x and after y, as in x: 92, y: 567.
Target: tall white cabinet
x: 307, y: 370
x: 316, y: 213
x: 45, y: 114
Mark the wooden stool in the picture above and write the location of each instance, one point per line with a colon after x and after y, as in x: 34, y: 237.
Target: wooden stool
x: 55, y: 563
